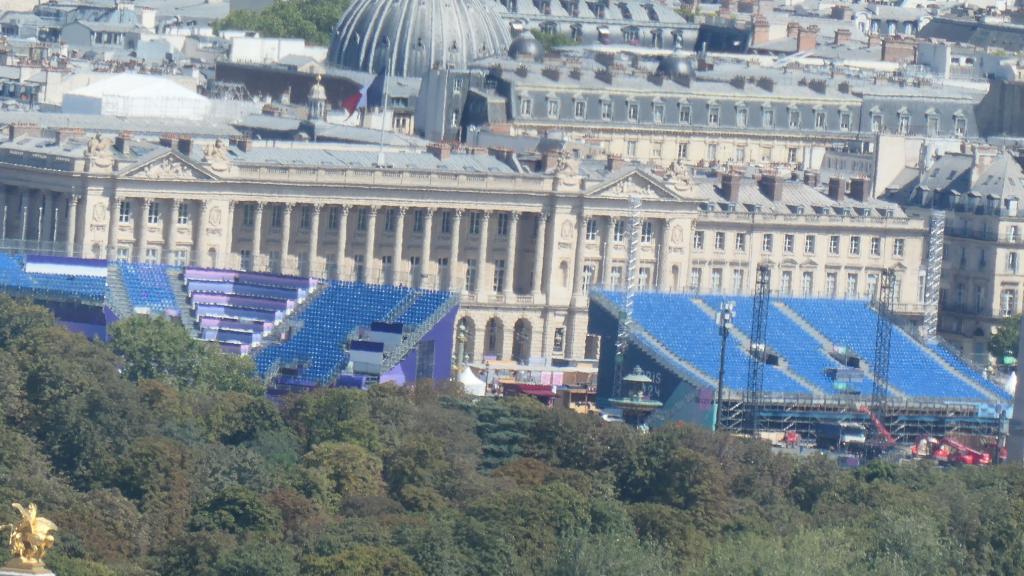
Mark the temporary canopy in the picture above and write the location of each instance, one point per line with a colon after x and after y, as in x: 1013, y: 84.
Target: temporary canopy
x: 136, y: 95
x: 472, y: 384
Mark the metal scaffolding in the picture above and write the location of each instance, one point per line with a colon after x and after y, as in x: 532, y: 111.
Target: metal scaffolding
x: 883, y: 346
x: 755, y: 364
x: 936, y: 236
x: 626, y: 315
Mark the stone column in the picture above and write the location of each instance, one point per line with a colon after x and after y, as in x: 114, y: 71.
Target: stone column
x: 606, y: 257
x: 24, y: 215
x: 3, y: 213
x: 397, y: 262
x: 200, y: 235
x: 72, y: 225
x: 453, y: 258
x: 54, y: 227
x: 342, y: 261
x: 664, y: 275
x: 314, y: 238
x: 257, y: 237
x: 229, y: 235
x: 286, y: 234
x: 46, y: 206
x: 539, y: 253
x: 140, y: 230
x: 481, y: 268
x: 40, y: 215
x: 510, y: 261
x: 577, y: 274
x: 371, y: 234
x: 115, y: 204
x: 426, y: 265
x: 171, y: 231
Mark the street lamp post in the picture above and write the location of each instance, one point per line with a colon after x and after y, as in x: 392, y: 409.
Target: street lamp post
x: 724, y: 320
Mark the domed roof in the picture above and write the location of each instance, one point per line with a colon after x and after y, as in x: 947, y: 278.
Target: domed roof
x: 525, y: 46
x: 417, y: 35
x: 675, y: 64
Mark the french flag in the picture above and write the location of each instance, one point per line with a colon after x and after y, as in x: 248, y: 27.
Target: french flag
x: 371, y: 96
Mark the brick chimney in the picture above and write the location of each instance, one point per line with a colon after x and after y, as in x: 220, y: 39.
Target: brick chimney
x: 761, y: 30
x: 64, y: 134
x: 807, y: 39
x: 842, y: 36
x: 185, y: 145
x: 900, y: 50
x: 837, y: 189
x: 874, y: 40
x: 811, y: 178
x: 19, y: 129
x: 440, y: 150
x: 122, y: 143
x: 792, y: 30
x: 860, y: 189
x: 615, y: 162
x: 772, y: 186
x: 731, y: 186
x: 549, y: 160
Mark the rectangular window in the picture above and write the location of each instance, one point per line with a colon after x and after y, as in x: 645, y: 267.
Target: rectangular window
x: 833, y: 245
x: 152, y: 256
x: 684, y: 114
x: 695, y: 279
x: 362, y: 217
x: 592, y: 231
x: 525, y: 107
x: 872, y: 285
x: 819, y: 120
x: 470, y: 275
x: 558, y: 342
x: 712, y: 152
x: 851, y: 285
x: 589, y: 271
x: 606, y: 110
x: 768, y: 118
x: 807, y: 284
x: 876, y: 123
x: 645, y: 276
x: 903, y: 127
x: 620, y: 230
x: 933, y: 125
x: 124, y: 212
x: 499, y: 276
x: 786, y: 284
x: 791, y: 154
x: 248, y: 214
x: 719, y: 240
x: 698, y: 240
x: 475, y: 220
x: 658, y: 112
x: 390, y: 219
x: 1011, y: 262
x: 737, y: 281
x: 741, y: 154
x: 741, y: 117
x: 153, y: 213
x: 418, y: 218
x: 788, y: 242
x: 503, y: 223
x: 655, y: 149
x: 552, y: 108
x: 632, y: 112
x: 959, y: 125
x: 794, y: 118
x: 854, y: 245
x: 809, y: 242
x: 713, y: 114
x: 741, y: 242
x: 616, y: 276
x: 897, y: 247
x: 277, y: 216
x: 844, y: 120
x: 446, y: 222
x: 183, y: 213
x: 360, y: 267
x: 306, y: 217
x: 182, y: 257
x: 124, y: 253
x: 767, y: 243
x: 631, y: 149
x: 333, y: 217
x: 647, y: 232
x: 876, y: 246
x: 831, y: 279
x: 580, y: 109
x: 683, y: 152
x: 716, y: 280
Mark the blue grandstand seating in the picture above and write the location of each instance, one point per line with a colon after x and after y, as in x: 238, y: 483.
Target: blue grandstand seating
x: 688, y: 332
x: 425, y: 303
x: 148, y: 286
x: 13, y: 277
x: 327, y: 322
x: 911, y: 370
x: 964, y: 369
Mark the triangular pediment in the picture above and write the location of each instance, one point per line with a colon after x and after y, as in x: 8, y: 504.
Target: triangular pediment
x: 634, y: 183
x: 169, y: 166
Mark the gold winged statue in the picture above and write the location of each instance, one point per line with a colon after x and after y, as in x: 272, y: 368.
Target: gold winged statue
x: 29, y: 541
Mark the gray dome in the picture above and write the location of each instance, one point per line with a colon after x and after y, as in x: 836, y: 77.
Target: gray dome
x: 674, y: 65
x: 417, y: 35
x: 526, y: 47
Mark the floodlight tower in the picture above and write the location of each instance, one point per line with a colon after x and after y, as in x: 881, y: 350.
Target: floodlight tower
x: 883, y: 346
x: 724, y: 321
x: 626, y: 314
x: 754, y: 396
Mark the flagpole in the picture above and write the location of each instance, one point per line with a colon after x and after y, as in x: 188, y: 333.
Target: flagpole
x: 384, y: 108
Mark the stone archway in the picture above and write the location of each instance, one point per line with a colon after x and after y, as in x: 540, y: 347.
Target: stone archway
x: 494, y: 336
x: 522, y: 340
x: 466, y: 330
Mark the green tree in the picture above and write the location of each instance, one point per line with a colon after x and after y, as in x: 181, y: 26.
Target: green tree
x: 311, y: 20
x: 339, y: 470
x: 1006, y: 339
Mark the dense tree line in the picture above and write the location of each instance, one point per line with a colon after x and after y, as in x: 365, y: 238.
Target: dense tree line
x: 311, y: 20
x: 157, y: 455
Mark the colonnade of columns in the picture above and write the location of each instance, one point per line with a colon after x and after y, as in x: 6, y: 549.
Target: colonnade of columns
x: 42, y: 220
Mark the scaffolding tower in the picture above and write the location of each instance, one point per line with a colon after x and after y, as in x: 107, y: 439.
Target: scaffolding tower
x: 936, y: 237
x: 626, y: 314
x: 883, y: 346
x: 754, y: 396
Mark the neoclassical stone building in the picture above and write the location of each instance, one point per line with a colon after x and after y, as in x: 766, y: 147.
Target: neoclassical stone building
x: 521, y: 248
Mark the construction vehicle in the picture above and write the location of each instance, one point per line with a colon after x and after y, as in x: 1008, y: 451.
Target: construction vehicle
x: 963, y: 449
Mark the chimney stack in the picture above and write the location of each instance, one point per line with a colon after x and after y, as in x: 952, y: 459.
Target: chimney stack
x: 811, y: 178
x: 792, y: 30
x: 168, y: 140
x: 440, y: 150
x: 837, y: 189
x: 19, y: 129
x: 63, y: 134
x: 771, y: 186
x: 185, y: 145
x: 615, y: 162
x: 860, y: 189
x: 807, y: 38
x: 842, y: 36
x: 761, y: 30
x: 122, y: 143
x: 731, y: 186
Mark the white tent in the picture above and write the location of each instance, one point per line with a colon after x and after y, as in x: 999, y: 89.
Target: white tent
x: 472, y: 384
x: 136, y: 95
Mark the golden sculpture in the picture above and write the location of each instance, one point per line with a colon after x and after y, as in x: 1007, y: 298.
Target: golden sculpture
x: 29, y: 541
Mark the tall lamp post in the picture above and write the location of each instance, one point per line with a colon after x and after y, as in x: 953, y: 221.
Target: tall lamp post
x: 724, y: 320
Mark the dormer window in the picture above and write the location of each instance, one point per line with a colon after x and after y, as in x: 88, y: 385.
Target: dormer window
x: 794, y: 118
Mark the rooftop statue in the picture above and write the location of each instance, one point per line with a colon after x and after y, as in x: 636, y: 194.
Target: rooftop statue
x: 29, y: 541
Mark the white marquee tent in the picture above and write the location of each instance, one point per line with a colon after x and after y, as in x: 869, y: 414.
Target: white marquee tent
x: 137, y: 95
